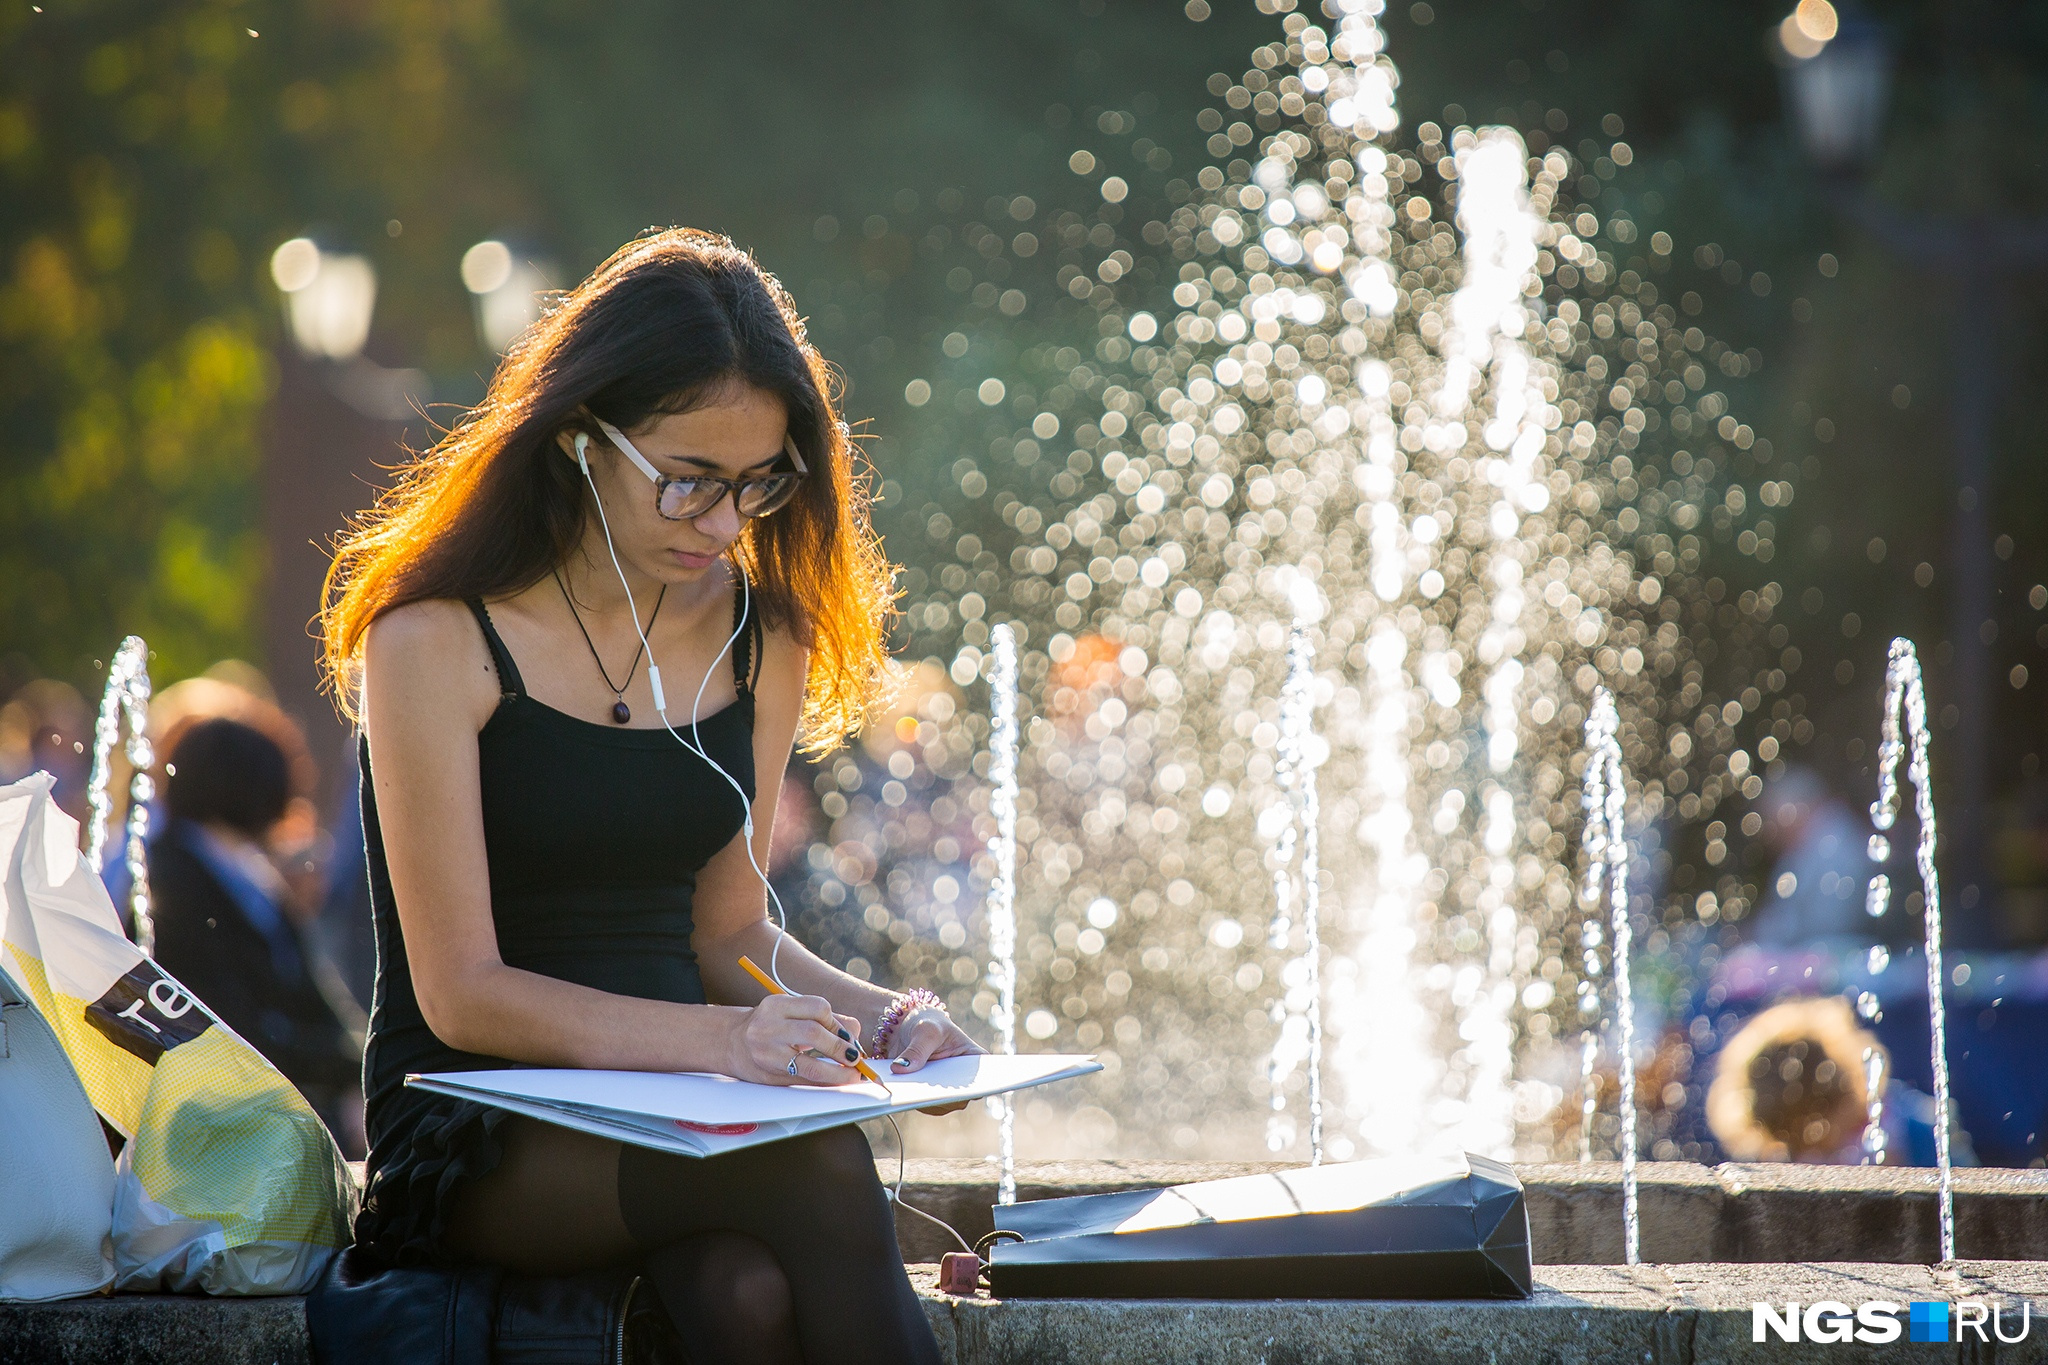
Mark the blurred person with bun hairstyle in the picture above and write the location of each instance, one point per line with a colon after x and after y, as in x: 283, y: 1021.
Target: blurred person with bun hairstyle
x: 1791, y: 1085
x: 657, y: 476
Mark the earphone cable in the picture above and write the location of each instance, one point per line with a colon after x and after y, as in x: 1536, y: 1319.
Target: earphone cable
x: 896, y: 1191
x: 661, y: 701
x: 747, y: 822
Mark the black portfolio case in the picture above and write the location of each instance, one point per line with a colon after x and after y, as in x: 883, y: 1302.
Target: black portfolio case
x: 1403, y: 1228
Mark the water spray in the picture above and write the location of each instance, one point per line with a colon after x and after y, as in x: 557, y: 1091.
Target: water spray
x: 127, y: 695
x: 1002, y: 887
x: 1905, y: 701
x: 1415, y: 374
x: 1300, y: 1008
x: 1606, y: 846
x: 1488, y: 316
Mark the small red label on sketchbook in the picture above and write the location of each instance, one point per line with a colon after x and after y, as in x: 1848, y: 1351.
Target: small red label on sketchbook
x: 718, y: 1129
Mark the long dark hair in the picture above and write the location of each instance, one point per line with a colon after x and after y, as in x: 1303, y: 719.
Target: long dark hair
x: 664, y: 325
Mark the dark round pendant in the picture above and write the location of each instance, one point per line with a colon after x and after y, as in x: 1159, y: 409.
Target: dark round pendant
x: 621, y: 712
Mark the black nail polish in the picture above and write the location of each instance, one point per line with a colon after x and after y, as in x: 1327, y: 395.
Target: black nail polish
x: 845, y: 1037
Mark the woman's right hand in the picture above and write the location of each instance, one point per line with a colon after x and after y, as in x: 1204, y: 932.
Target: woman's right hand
x: 766, y: 1037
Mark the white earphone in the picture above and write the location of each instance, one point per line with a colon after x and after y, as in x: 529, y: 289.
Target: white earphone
x: 693, y: 744
x: 661, y: 709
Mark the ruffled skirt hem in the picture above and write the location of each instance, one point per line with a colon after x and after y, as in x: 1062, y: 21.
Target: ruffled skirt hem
x: 406, y: 1205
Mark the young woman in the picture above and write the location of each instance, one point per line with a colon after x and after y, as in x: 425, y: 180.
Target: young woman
x: 656, y: 479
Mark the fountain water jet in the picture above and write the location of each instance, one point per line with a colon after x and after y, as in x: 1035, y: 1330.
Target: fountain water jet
x: 1905, y: 700
x: 1589, y: 1095
x: 127, y: 695
x: 1606, y: 848
x: 1299, y: 1011
x: 1002, y: 889
x: 1490, y: 456
x: 1488, y: 318
x: 1382, y: 1027
x: 1873, y: 1088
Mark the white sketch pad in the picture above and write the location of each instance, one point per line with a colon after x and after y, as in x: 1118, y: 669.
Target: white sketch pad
x: 702, y: 1114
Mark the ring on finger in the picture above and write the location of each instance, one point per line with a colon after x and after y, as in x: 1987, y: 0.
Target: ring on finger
x: 792, y: 1063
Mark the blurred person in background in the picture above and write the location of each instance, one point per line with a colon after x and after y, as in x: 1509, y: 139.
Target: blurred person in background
x: 47, y: 727
x: 1792, y: 1086
x: 344, y: 927
x: 1814, y: 892
x: 239, y: 691
x: 229, y: 924
x: 325, y: 871
x: 236, y: 691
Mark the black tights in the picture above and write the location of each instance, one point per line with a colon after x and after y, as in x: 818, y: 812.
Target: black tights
x: 784, y: 1252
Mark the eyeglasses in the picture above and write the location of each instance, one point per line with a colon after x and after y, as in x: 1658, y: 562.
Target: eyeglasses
x: 683, y: 499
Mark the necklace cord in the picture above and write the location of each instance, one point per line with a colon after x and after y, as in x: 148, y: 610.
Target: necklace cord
x: 632, y: 668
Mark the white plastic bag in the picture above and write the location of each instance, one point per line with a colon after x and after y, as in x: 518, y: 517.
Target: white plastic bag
x: 56, y: 1179
x: 229, y: 1183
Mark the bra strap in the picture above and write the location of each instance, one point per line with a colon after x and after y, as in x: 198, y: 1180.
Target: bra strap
x: 746, y: 653
x: 509, y: 683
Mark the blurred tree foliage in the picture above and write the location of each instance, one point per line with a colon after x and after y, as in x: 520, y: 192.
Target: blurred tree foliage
x: 151, y: 157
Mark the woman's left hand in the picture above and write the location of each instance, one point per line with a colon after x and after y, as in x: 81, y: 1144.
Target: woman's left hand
x: 924, y: 1037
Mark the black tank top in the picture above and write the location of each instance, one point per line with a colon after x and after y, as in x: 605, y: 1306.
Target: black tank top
x: 594, y: 835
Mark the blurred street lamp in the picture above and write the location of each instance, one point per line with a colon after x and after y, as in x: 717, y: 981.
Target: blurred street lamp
x: 508, y: 289
x: 329, y: 298
x: 336, y: 421
x: 1838, y: 83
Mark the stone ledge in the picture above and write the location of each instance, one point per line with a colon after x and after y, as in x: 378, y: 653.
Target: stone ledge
x: 1652, y: 1315
x: 155, y: 1329
x: 1645, y: 1315
x: 1690, y: 1213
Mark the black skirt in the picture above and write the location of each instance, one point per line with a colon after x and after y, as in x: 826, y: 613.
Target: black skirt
x: 404, y: 1214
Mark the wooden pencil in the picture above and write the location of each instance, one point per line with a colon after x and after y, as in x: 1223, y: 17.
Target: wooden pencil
x: 768, y: 984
